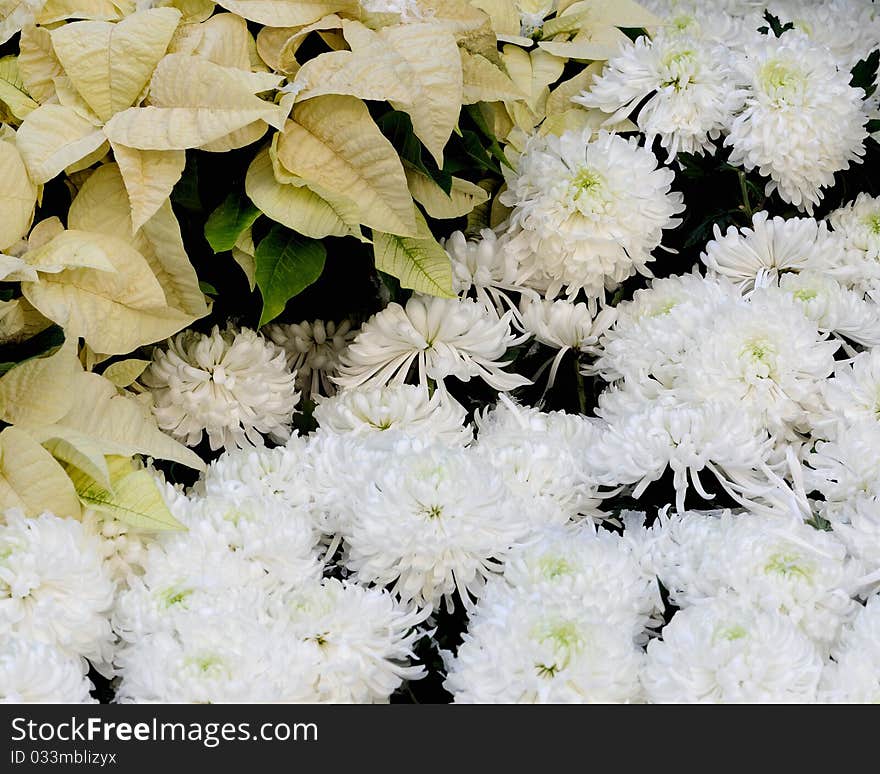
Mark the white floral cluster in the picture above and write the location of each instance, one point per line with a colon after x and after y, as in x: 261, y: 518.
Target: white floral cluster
x: 56, y: 597
x: 784, y: 105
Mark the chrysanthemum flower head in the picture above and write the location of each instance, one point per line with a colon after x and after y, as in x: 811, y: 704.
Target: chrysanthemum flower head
x: 682, y: 88
x: 232, y: 384
x: 853, y: 676
x: 858, y: 226
x: 431, y: 523
x: 543, y: 648
x: 405, y: 408
x: 543, y: 458
x: 55, y: 586
x: 442, y: 337
x: 587, y: 212
x: 313, y: 349
x: 801, y: 121
x: 729, y: 652
x: 33, y: 672
x: 757, y: 256
x: 361, y: 639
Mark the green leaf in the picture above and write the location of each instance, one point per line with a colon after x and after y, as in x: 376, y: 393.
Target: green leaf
x: 398, y: 128
x: 776, y: 26
x: 207, y: 288
x: 418, y: 262
x: 494, y: 146
x: 134, y: 498
x: 186, y: 193
x: 873, y: 126
x: 226, y: 224
x: 286, y: 264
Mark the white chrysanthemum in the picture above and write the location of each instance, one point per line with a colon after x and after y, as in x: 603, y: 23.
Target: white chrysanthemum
x: 486, y: 267
x: 778, y: 565
x: 443, y: 337
x: 565, y: 326
x: 542, y: 458
x: 640, y: 444
x: 858, y: 226
x: 852, y: 396
x: 853, y: 677
x: 586, y: 212
x: 404, y: 408
x: 275, y: 533
x: 361, y: 639
x: 432, y: 521
x: 680, y: 85
x: 801, y: 121
x: 55, y: 586
x: 124, y: 548
x: 847, y: 466
x: 220, y: 653
x: 281, y: 473
x: 653, y: 331
x: 32, y: 672
x: 833, y: 307
x: 765, y: 357
x: 849, y: 29
x: 730, y: 23
x: 598, y: 568
x: 729, y: 652
x: 232, y: 385
x: 313, y: 350
x: 856, y: 521
x: 757, y: 256
x: 543, y: 649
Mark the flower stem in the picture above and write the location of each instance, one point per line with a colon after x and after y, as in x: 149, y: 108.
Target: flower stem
x: 747, y: 206
x: 582, y: 396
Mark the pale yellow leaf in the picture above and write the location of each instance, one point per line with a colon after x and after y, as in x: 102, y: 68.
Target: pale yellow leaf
x: 72, y: 249
x: 115, y: 312
x: 81, y: 453
x: 101, y: 207
x: 287, y: 53
x: 225, y: 40
x: 110, y: 64
x: 125, y: 372
x: 243, y: 254
x: 15, y: 14
x: 560, y: 98
x: 237, y: 139
x: 285, y: 13
x: 53, y: 137
x: 390, y: 64
x: 620, y: 13
x: 119, y: 424
x: 42, y: 232
x: 37, y: 62
x: 419, y: 262
x: 18, y: 196
x: 461, y: 199
x: 271, y: 42
x: 134, y: 500
x: 334, y: 145
x: 195, y: 102
x: 19, y: 321
x: 15, y: 269
x: 12, y: 90
x: 102, y: 10
x: 503, y: 13
x: 484, y: 81
x: 194, y: 11
x: 31, y: 479
x: 37, y: 391
x: 296, y: 207
x: 590, y: 44
x: 149, y: 176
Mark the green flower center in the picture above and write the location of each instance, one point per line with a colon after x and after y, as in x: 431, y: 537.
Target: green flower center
x: 805, y: 295
x: 552, y: 567
x: 733, y: 633
x: 787, y: 566
x: 874, y: 223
